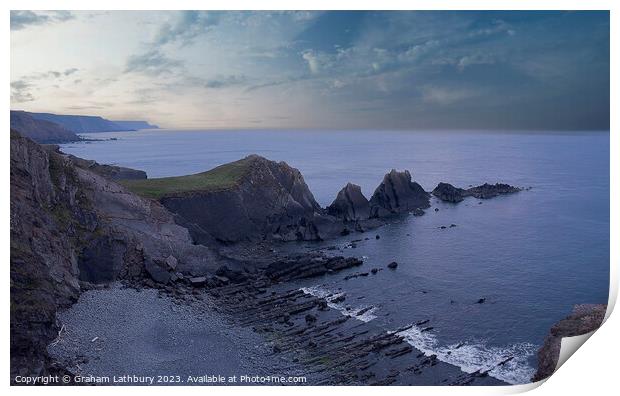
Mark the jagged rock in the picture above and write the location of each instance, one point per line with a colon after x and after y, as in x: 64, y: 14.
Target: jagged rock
x: 584, y: 319
x: 398, y: 194
x: 350, y: 204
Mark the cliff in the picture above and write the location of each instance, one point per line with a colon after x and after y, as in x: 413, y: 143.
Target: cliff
x: 40, y: 131
x: 247, y: 200
x: 72, y: 227
x: 584, y: 319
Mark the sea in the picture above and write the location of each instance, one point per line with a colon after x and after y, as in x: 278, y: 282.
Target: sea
x: 531, y: 256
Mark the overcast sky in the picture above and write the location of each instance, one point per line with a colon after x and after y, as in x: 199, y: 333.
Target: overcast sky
x: 384, y: 70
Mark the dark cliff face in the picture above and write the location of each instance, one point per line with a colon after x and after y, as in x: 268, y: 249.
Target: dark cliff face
x: 271, y: 200
x: 39, y: 130
x: 70, y: 227
x: 584, y: 319
x: 45, y: 235
x: 398, y: 194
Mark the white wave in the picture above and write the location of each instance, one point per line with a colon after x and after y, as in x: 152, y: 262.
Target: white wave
x: 367, y: 310
x: 471, y: 357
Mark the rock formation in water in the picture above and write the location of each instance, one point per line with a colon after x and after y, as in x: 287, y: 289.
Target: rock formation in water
x: 398, y: 194
x: 448, y: 193
x: 40, y: 131
x: 256, y: 199
x: 584, y: 319
x: 350, y: 204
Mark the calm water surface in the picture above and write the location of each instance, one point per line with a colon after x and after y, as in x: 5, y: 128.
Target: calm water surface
x: 532, y: 255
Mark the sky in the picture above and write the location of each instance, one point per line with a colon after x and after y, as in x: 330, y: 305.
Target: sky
x: 531, y: 70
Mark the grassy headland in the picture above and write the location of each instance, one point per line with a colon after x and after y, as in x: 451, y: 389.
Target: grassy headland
x: 220, y: 178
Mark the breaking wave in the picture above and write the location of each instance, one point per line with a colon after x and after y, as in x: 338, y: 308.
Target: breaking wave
x: 365, y: 313
x: 508, y: 363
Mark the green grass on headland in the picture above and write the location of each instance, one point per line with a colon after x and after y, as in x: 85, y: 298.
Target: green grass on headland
x: 220, y: 178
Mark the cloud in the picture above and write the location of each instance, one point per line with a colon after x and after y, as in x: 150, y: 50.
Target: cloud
x: 187, y: 26
x: 312, y: 59
x: 226, y: 81
x: 152, y: 63
x: 23, y: 19
x: 20, y: 91
x: 475, y: 59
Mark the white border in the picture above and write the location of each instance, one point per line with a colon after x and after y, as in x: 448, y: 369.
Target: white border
x: 590, y: 371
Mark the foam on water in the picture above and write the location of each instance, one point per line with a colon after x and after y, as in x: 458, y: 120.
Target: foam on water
x: 471, y: 357
x: 322, y: 292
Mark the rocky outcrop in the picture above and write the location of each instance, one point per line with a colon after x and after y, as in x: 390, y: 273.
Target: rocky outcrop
x: 448, y: 193
x: 486, y: 191
x: 111, y: 172
x: 269, y: 200
x: 40, y: 131
x: 350, y: 204
x: 398, y: 194
x: 584, y: 319
x: 71, y: 226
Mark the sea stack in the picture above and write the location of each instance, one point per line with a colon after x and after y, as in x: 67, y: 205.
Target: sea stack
x: 398, y: 194
x: 350, y: 204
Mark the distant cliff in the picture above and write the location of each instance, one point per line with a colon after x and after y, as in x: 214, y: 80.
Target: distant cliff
x: 135, y: 125
x: 39, y: 130
x: 90, y: 124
